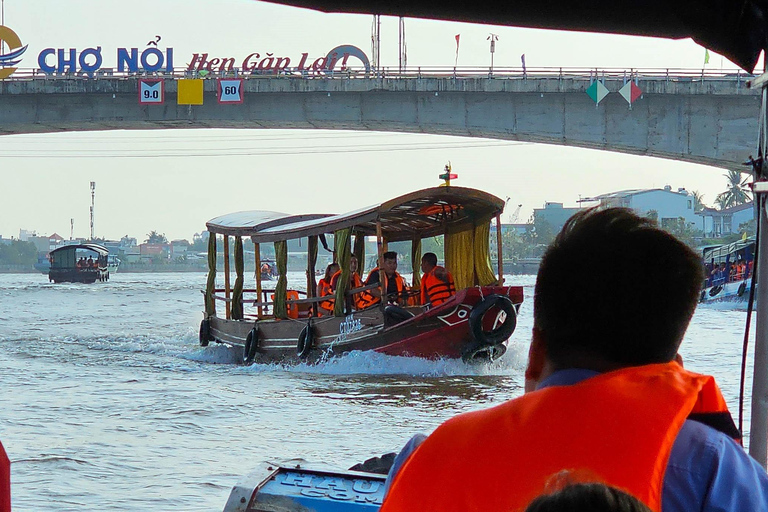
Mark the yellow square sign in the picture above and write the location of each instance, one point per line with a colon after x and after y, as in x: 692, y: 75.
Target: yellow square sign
x: 190, y: 92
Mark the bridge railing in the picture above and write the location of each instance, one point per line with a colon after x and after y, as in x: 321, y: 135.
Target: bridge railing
x: 406, y: 73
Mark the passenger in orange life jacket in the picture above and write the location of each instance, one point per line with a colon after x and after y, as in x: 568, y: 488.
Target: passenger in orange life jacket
x: 394, y: 285
x: 437, y: 284
x: 354, y: 281
x: 324, y: 290
x: 604, y: 393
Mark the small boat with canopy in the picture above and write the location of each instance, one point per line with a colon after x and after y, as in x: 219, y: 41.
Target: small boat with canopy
x: 79, y: 263
x: 283, y: 324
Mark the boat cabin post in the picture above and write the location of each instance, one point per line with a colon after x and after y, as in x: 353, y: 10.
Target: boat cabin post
x: 257, y: 259
x: 311, y: 264
x: 498, y: 248
x: 416, y: 265
x: 226, y: 277
x: 758, y: 437
x: 381, y: 249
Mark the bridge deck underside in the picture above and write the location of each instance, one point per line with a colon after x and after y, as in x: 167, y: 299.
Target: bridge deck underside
x: 713, y: 126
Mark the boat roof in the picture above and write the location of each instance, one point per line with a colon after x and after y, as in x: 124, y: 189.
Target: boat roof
x: 420, y: 214
x: 721, y: 250
x: 91, y: 247
x: 248, y: 223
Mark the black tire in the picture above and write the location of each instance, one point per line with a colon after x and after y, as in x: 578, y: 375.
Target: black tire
x: 251, y: 344
x: 500, y: 333
x: 482, y: 353
x: 742, y: 289
x: 205, y: 332
x: 715, y: 290
x: 395, y: 314
x: 703, y: 295
x: 305, y: 341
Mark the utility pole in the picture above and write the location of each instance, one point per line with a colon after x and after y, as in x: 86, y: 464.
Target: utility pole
x: 403, y: 58
x: 492, y: 38
x: 93, y: 203
x: 376, y: 41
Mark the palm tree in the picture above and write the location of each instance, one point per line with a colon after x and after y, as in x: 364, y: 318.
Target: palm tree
x: 737, y: 192
x: 698, y: 201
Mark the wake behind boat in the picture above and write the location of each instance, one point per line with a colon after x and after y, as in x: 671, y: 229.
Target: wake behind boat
x: 278, y: 325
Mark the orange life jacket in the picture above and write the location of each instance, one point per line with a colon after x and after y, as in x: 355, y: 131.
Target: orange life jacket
x: 367, y: 299
x: 435, y: 290
x: 324, y: 290
x: 354, y: 282
x: 618, y: 426
x: 291, y: 309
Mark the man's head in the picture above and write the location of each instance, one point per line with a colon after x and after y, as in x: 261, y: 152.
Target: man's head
x: 599, y: 304
x: 428, y: 262
x: 353, y: 264
x: 389, y: 263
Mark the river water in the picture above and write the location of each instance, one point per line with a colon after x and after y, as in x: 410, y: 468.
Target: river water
x: 109, y: 403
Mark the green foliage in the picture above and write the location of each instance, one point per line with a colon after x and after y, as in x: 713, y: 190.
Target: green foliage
x: 684, y: 232
x: 18, y: 253
x: 698, y: 201
x: 748, y: 227
x: 156, y: 238
x: 737, y: 192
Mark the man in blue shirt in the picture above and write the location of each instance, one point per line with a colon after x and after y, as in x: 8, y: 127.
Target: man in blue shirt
x: 617, y: 328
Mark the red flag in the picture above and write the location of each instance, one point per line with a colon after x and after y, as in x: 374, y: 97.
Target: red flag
x: 457, y: 50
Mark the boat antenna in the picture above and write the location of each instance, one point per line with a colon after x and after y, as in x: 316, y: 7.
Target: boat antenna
x: 71, y: 228
x: 93, y: 202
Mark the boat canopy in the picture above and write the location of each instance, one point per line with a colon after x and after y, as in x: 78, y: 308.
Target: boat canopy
x: 421, y: 214
x: 734, y: 29
x: 721, y: 251
x: 248, y: 223
x: 100, y: 249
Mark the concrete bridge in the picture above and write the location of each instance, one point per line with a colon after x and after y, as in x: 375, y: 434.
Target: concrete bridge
x: 707, y: 118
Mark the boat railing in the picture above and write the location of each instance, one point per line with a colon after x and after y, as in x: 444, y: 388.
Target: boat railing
x: 266, y: 303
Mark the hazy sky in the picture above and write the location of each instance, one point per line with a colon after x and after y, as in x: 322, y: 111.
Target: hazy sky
x: 173, y: 181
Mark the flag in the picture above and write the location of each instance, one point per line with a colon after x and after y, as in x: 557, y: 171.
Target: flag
x: 706, y: 56
x: 457, y: 50
x: 522, y: 59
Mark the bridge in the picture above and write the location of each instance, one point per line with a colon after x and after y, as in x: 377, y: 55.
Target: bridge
x: 704, y: 117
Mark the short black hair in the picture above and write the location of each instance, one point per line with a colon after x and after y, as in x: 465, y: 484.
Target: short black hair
x: 430, y: 258
x: 390, y: 255
x: 594, y: 497
x: 615, y: 287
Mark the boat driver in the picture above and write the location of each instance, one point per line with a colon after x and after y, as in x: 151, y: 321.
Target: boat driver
x: 605, y: 393
x: 394, y: 284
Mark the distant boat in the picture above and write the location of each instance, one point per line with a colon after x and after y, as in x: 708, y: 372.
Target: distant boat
x: 725, y: 284
x: 113, y: 263
x: 81, y: 263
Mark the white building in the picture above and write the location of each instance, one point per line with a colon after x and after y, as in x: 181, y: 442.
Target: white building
x: 717, y: 223
x: 668, y: 205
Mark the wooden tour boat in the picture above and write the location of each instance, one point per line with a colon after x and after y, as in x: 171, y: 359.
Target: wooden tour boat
x: 69, y: 264
x: 278, y: 325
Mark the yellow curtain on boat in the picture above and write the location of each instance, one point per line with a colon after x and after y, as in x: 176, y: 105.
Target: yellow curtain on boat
x: 342, y: 241
x: 416, y: 263
x: 281, y: 260
x: 237, y: 291
x: 311, y: 263
x: 210, y: 286
x: 459, y: 257
x: 483, y: 268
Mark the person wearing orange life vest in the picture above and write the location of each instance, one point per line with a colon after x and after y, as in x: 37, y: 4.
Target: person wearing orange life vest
x: 605, y: 393
x: 437, y: 284
x: 395, y: 286
x: 324, y: 290
x: 354, y: 281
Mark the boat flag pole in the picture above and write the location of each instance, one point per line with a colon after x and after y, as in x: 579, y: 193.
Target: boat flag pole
x: 758, y: 431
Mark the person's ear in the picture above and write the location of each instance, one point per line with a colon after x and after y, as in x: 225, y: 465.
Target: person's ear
x: 537, y: 357
x: 679, y: 359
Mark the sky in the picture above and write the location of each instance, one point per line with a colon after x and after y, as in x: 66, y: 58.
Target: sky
x: 173, y: 181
